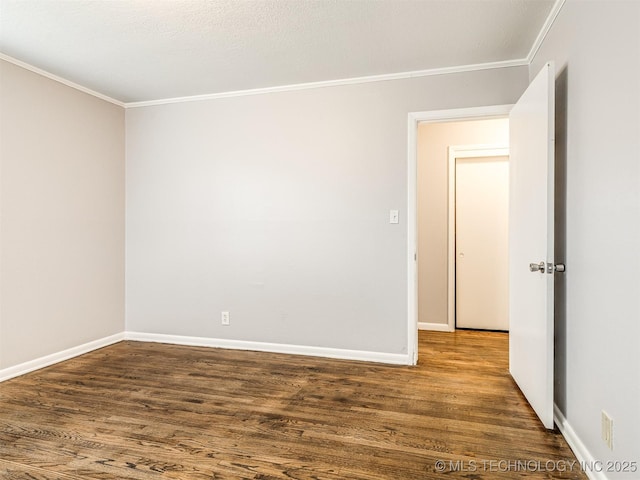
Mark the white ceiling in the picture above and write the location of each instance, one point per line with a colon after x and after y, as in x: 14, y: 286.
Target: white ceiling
x: 141, y: 50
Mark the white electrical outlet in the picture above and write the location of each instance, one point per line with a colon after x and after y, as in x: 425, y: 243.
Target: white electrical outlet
x: 607, y: 430
x: 225, y: 318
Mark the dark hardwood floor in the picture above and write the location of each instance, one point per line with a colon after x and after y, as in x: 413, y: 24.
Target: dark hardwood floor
x: 152, y: 411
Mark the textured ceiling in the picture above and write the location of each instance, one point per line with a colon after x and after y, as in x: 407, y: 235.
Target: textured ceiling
x: 139, y: 50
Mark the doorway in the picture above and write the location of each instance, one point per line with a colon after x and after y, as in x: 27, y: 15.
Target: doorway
x: 531, y: 235
x: 429, y: 308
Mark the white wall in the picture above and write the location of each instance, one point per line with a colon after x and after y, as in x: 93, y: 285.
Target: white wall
x: 596, y: 47
x: 276, y: 208
x: 434, y: 140
x: 61, y: 217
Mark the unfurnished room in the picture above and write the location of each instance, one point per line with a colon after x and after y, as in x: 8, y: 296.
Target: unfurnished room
x: 319, y: 239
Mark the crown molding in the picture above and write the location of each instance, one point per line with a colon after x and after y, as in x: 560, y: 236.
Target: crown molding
x: 553, y: 14
x: 555, y: 10
x: 334, y: 83
x: 58, y: 79
x: 551, y: 18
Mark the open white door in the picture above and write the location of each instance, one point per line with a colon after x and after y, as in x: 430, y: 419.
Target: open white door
x: 531, y: 243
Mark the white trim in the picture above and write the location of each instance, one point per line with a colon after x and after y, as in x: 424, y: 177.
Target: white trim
x: 555, y: 10
x: 334, y: 83
x: 581, y: 452
x: 38, y: 363
x: 277, y: 89
x: 58, y: 79
x: 458, y: 114
x: 414, y: 118
x: 455, y: 152
x: 380, y: 357
x: 551, y: 18
x: 412, y: 242
x: 434, y: 327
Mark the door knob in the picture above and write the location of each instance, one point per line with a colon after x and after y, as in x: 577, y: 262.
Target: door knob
x: 543, y: 267
x: 537, y: 267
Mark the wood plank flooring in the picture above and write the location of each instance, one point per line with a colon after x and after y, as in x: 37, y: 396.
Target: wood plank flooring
x: 151, y: 411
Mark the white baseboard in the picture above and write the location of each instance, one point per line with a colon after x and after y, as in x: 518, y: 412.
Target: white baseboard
x: 581, y: 452
x: 48, y: 360
x: 379, y: 357
x: 436, y: 327
x: 38, y: 363
x: 583, y: 455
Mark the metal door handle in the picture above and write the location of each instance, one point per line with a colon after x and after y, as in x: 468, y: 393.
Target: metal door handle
x: 543, y: 267
x: 537, y: 267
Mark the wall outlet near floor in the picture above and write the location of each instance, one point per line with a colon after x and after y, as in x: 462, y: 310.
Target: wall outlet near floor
x: 224, y: 316
x: 607, y: 430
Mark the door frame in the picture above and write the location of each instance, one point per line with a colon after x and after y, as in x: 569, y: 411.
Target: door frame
x: 456, y: 152
x: 414, y: 118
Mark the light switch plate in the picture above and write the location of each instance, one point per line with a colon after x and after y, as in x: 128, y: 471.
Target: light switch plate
x: 393, y: 216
